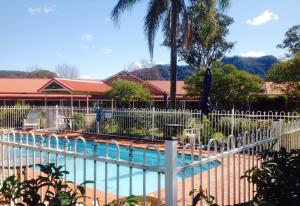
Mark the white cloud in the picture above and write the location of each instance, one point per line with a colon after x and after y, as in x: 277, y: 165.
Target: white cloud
x: 144, y: 63
x: 41, y: 10
x: 135, y: 66
x: 263, y: 18
x: 85, y: 76
x: 253, y: 54
x: 107, y: 51
x: 87, y: 37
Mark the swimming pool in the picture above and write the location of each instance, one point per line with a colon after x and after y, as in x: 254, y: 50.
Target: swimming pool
x: 124, y: 179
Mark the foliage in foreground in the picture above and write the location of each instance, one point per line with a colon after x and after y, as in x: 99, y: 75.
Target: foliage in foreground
x: 278, y: 179
x: 200, y: 195
x: 56, y: 191
x: 128, y: 201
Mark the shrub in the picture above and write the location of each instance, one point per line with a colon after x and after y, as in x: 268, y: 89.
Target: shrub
x: 80, y: 122
x: 219, y: 136
x: 56, y: 190
x: 278, y: 179
x: 200, y: 195
x: 266, y: 103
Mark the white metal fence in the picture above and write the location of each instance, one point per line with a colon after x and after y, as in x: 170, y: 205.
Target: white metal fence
x: 147, y: 123
x: 165, y: 171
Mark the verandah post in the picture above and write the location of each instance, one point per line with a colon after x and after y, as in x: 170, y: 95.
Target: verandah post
x: 171, y: 171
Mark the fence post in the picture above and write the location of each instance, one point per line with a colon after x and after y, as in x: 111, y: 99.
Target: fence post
x: 56, y: 115
x: 171, y: 171
x: 153, y: 119
x: 277, y: 126
x: 232, y: 121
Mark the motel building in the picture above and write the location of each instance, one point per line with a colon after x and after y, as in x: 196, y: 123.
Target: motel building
x: 51, y: 92
x: 90, y: 93
x: 84, y: 93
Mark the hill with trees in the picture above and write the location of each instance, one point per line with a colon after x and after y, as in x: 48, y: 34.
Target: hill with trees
x: 27, y: 74
x: 254, y: 65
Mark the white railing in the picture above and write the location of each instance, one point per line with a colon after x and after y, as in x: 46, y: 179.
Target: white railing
x: 160, y: 170
x: 147, y: 124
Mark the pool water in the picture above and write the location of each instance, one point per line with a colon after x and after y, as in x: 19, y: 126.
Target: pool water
x: 137, y: 174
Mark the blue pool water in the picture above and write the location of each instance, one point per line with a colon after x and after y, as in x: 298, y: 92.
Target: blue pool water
x: 137, y: 177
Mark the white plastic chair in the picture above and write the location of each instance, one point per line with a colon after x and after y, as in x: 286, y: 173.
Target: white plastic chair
x: 32, y: 121
x: 60, y: 123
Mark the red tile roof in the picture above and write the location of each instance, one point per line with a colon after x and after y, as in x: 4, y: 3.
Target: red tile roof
x: 20, y: 85
x: 39, y: 96
x: 83, y: 86
x: 165, y: 86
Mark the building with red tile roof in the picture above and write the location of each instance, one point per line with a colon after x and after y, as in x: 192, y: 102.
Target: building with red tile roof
x: 67, y: 92
x: 56, y: 91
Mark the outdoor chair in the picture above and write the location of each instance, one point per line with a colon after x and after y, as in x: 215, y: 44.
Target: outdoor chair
x: 60, y: 123
x: 193, y: 134
x: 32, y: 121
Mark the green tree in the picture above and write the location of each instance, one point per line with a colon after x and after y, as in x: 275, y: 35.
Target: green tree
x: 287, y: 75
x: 171, y: 13
x: 208, y: 42
x: 125, y: 92
x: 230, y: 87
x: 291, y: 41
x: 41, y: 73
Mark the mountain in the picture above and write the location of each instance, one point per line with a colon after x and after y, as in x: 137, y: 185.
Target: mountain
x: 24, y: 74
x: 254, y: 65
x: 13, y: 74
x: 161, y: 72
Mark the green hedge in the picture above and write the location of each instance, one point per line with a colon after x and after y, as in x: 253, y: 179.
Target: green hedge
x: 265, y: 103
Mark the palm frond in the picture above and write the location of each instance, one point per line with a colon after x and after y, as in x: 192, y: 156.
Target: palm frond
x: 166, y: 28
x: 187, y: 24
x: 156, y: 9
x: 120, y: 8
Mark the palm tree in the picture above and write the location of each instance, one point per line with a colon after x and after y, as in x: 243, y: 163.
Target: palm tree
x: 172, y: 13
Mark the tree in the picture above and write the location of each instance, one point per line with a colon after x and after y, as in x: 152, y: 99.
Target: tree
x: 291, y: 41
x: 36, y: 71
x: 287, y: 75
x: 171, y: 14
x: 42, y: 73
x: 67, y: 71
x: 125, y: 92
x: 230, y: 87
x: 208, y: 43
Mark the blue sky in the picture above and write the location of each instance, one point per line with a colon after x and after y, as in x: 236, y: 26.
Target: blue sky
x: 80, y: 33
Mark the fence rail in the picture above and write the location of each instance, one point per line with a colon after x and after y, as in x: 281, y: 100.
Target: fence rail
x: 165, y: 172
x: 147, y: 124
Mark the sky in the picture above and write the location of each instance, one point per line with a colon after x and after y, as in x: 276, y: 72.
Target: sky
x: 46, y: 33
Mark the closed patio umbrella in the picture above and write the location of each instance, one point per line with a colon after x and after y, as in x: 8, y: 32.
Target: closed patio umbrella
x: 205, y: 103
